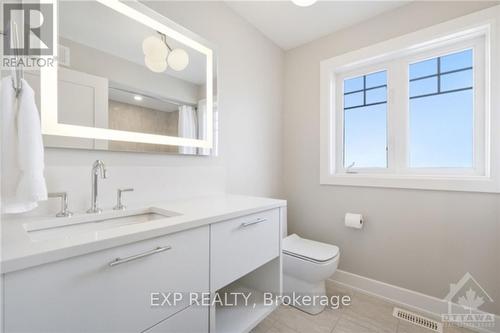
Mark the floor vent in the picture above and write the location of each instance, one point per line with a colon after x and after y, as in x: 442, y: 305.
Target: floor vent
x: 418, y: 320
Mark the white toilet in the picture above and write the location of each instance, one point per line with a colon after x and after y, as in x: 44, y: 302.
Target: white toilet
x: 306, y: 266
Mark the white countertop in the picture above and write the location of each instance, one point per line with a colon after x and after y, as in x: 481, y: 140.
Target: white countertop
x: 19, y: 251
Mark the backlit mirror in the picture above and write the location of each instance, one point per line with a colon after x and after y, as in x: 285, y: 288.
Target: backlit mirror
x: 128, y: 79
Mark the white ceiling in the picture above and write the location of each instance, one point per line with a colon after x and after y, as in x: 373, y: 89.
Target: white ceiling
x: 289, y: 25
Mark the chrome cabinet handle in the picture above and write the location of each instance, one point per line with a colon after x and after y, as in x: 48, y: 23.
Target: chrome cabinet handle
x: 259, y: 220
x: 119, y: 261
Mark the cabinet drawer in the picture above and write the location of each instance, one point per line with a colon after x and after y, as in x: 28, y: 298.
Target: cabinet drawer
x: 241, y: 245
x: 86, y: 294
x: 194, y: 319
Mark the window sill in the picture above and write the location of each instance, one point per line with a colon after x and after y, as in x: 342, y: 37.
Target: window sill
x: 422, y: 182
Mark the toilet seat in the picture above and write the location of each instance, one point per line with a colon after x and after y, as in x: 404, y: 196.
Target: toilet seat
x: 309, y: 250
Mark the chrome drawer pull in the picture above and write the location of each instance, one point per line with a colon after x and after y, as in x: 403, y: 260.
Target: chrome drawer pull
x: 119, y: 261
x: 259, y: 220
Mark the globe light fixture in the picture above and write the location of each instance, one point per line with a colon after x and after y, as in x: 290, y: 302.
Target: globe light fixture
x: 304, y: 3
x: 158, y: 55
x: 178, y: 59
x: 155, y: 65
x: 154, y: 48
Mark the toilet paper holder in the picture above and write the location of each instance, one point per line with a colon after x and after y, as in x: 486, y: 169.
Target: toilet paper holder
x: 352, y: 220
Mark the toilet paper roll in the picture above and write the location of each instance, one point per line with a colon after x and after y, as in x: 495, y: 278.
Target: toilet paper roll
x: 354, y: 220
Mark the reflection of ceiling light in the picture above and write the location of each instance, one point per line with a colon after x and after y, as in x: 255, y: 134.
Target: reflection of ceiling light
x: 155, y: 65
x: 154, y: 48
x: 178, y: 59
x: 304, y: 3
x: 138, y: 98
x: 159, y: 55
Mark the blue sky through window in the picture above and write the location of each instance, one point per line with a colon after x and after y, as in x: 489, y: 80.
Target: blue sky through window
x: 441, y: 112
x: 365, y: 121
x: 365, y: 137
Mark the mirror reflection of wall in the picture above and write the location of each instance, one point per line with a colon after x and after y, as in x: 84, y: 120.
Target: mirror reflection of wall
x: 138, y: 112
x: 130, y: 111
x: 126, y: 76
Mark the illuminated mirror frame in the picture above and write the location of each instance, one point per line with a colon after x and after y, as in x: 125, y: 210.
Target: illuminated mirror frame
x: 157, y: 22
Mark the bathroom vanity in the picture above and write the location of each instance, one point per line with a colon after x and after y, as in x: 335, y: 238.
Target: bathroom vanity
x: 111, y: 272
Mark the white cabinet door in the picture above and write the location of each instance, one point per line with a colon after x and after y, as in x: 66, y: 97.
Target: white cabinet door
x: 241, y: 245
x: 85, y: 294
x: 191, y: 320
x: 82, y: 100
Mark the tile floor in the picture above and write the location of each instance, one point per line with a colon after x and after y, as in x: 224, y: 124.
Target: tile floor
x: 366, y: 314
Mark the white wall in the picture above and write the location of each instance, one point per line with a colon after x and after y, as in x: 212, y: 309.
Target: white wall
x: 250, y: 89
x: 420, y: 240
x: 250, y: 103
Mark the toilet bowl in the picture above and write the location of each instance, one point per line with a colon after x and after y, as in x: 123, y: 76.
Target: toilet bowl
x: 306, y: 266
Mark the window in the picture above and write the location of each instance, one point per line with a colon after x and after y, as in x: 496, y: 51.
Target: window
x: 365, y: 121
x: 413, y: 112
x: 441, y: 111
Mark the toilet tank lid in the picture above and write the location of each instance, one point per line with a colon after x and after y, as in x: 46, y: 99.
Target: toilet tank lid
x: 307, y: 248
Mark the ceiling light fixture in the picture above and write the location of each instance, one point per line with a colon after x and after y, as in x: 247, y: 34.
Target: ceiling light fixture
x: 138, y: 98
x: 158, y: 55
x: 178, y: 59
x: 155, y: 65
x: 304, y: 3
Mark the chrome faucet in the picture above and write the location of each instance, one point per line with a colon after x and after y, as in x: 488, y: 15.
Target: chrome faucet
x: 97, y: 168
x: 119, y: 204
x: 64, y: 212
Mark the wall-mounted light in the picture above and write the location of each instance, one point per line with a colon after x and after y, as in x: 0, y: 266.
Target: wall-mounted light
x: 304, y: 3
x: 158, y: 55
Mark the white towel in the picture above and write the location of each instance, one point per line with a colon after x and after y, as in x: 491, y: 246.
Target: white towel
x: 23, y: 182
x: 187, y: 127
x: 202, y: 125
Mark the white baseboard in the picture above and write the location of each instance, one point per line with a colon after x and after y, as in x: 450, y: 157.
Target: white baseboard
x: 425, y: 304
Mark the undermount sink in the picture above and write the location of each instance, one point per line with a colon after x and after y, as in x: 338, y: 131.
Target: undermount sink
x: 72, y: 226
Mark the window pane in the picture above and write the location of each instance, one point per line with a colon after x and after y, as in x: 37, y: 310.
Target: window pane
x: 441, y: 129
x: 456, y: 61
x: 365, y: 127
x: 423, y: 68
x: 423, y: 86
x: 354, y: 99
x: 456, y: 80
x: 376, y: 95
x: 353, y: 84
x: 376, y: 79
x: 365, y: 138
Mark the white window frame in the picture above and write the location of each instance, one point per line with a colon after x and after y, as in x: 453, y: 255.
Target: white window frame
x: 339, y: 117
x: 477, y: 31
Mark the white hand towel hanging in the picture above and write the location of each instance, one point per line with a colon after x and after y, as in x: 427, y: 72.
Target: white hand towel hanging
x: 23, y: 182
